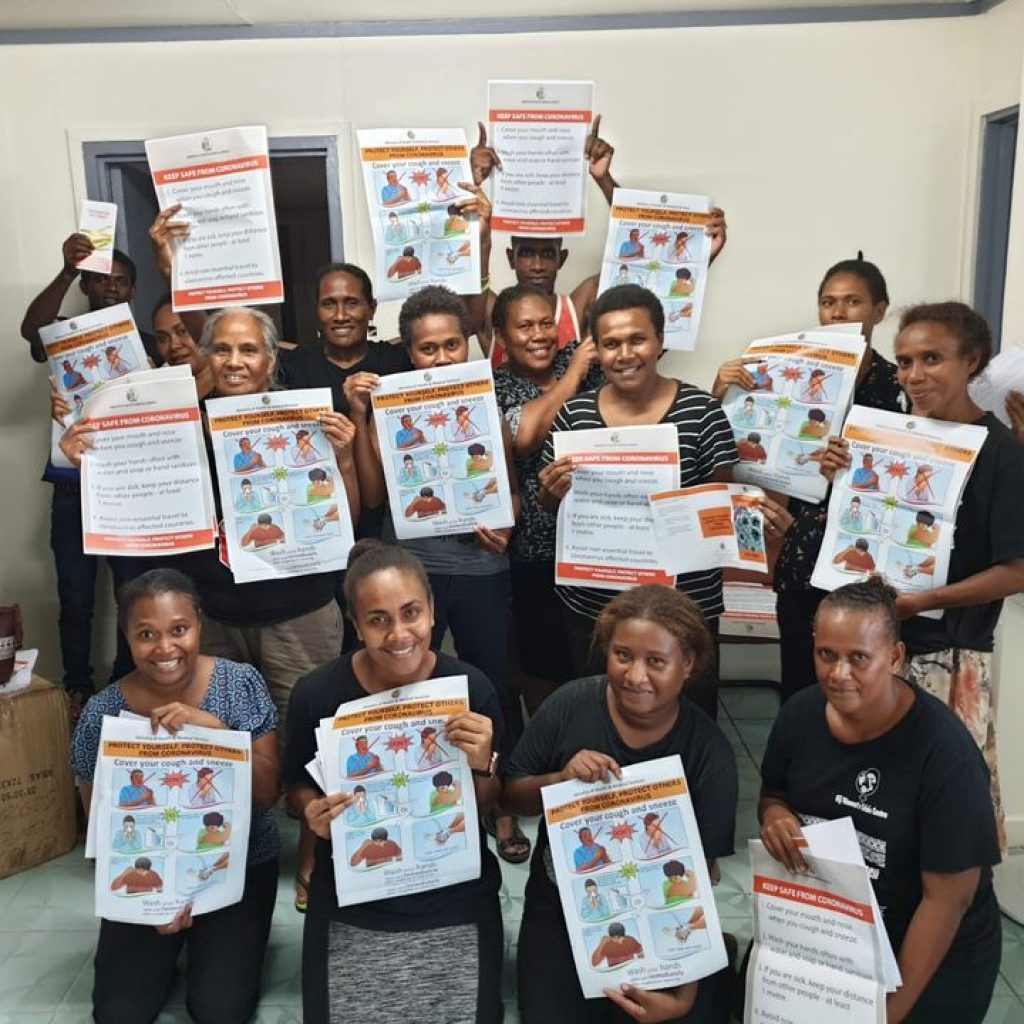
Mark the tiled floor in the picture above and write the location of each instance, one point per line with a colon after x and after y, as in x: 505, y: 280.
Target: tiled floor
x: 47, y: 928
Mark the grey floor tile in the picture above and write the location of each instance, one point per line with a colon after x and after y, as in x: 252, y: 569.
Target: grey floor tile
x: 1005, y: 1010
x: 749, y: 702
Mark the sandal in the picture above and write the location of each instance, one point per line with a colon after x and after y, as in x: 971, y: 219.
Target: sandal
x: 514, y: 848
x: 301, y: 894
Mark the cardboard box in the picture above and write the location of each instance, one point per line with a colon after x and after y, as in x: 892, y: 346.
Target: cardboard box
x: 37, y: 791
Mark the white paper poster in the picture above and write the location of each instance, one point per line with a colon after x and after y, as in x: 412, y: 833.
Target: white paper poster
x: 893, y: 511
x: 539, y: 131
x: 420, y: 236
x: 146, y: 485
x: 98, y: 221
x: 222, y: 180
x: 169, y: 823
x: 282, y: 495
x: 659, y: 240
x: 1005, y: 373
x: 804, y: 384
x: 605, y: 536
x: 710, y: 526
x: 414, y: 825
x: 633, y: 880
x: 442, y: 450
x: 85, y: 352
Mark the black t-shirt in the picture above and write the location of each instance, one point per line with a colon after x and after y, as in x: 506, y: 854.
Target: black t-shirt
x: 918, y: 796
x: 308, y: 367
x: 317, y: 696
x: 576, y: 717
x: 988, y: 532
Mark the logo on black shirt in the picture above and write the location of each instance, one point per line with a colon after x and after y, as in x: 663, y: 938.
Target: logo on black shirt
x: 868, y: 782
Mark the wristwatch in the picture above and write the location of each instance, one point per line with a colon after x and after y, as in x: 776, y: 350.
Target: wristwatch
x: 491, y: 770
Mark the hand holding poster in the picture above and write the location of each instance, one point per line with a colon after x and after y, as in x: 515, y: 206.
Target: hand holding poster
x: 442, y: 450
x: 86, y: 352
x: 146, y: 481
x: 282, y: 495
x: 413, y: 825
x: 633, y: 880
x: 169, y: 821
x: 658, y: 240
x: 539, y: 131
x: 97, y: 222
x: 893, y: 510
x: 420, y: 234
x: 222, y: 181
x: 803, y: 386
x: 605, y: 536
x: 710, y: 526
x: 1005, y: 373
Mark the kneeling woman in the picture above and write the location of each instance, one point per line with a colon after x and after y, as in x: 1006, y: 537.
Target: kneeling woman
x: 655, y: 639
x: 395, y: 941
x: 174, y: 685
x: 868, y: 745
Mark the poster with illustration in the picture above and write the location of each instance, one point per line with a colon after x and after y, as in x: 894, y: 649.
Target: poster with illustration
x: 84, y: 353
x: 893, y: 510
x: 633, y: 880
x: 169, y: 820
x: 659, y: 240
x: 420, y: 235
x: 441, y: 447
x: 282, y: 495
x: 803, y: 386
x: 710, y: 526
x: 98, y: 222
x: 146, y: 487
x: 413, y: 825
x: 539, y: 130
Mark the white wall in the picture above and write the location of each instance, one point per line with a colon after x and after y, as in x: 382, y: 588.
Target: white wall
x: 817, y: 139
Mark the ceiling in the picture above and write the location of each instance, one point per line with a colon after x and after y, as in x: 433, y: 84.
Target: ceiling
x: 300, y: 17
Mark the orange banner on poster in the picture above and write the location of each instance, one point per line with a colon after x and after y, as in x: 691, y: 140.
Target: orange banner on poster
x: 230, y: 294
x: 241, y: 165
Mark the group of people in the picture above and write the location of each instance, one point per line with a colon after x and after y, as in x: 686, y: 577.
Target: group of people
x: 606, y: 680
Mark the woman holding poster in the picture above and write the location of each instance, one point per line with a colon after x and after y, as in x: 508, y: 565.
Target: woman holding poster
x: 389, y: 600
x: 174, y: 685
x: 655, y: 641
x: 869, y: 745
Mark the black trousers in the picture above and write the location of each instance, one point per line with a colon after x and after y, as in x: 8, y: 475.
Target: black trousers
x: 135, y: 965
x: 795, y: 611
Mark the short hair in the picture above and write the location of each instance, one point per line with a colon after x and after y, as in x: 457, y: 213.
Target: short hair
x: 684, y: 273
x: 318, y: 475
x: 925, y: 517
x: 116, y: 256
x: 617, y: 929
x: 453, y: 210
x: 353, y: 271
x: 434, y: 299
x: 408, y: 251
x: 264, y: 519
x: 151, y: 584
x: 127, y: 818
x: 476, y: 448
x: 427, y: 730
x: 969, y: 328
x: 673, y: 868
x: 873, y: 596
x: 267, y: 327
x: 379, y: 834
x: 442, y: 779
x: 818, y: 415
x: 754, y: 437
x: 370, y: 556
x: 651, y: 817
x: 507, y: 297
x: 861, y: 544
x: 865, y: 270
x: 213, y: 818
x: 590, y: 884
x: 517, y: 240
x: 359, y: 789
x: 666, y: 607
x: 246, y: 482
x: 426, y: 492
x: 627, y: 296
x: 143, y: 863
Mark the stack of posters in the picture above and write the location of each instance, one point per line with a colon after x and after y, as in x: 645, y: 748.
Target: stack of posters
x: 659, y: 240
x: 282, y: 495
x: 893, y: 510
x: 633, y: 880
x: 803, y: 386
x: 539, y: 131
x: 169, y: 820
x: 420, y: 236
x: 146, y: 485
x: 86, y: 352
x: 442, y: 450
x: 413, y: 826
x: 222, y: 181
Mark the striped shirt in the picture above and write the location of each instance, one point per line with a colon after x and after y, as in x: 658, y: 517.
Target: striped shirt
x: 706, y: 443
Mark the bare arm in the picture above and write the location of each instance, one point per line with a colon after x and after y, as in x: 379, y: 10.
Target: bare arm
x: 522, y: 796
x: 989, y: 585
x: 266, y: 771
x: 583, y: 296
x: 45, y: 307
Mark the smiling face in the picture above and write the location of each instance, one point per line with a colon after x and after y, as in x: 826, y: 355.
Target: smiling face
x: 343, y: 311
x: 238, y: 357
x: 933, y: 372
x: 437, y: 340
x: 856, y: 660
x: 163, y: 633
x: 175, y: 345
x: 537, y: 262
x: 628, y: 348
x: 530, y: 335
x: 647, y: 670
x: 846, y: 298
x: 394, y: 618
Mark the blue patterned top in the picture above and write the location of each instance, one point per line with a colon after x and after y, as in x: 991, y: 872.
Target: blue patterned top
x: 237, y: 695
